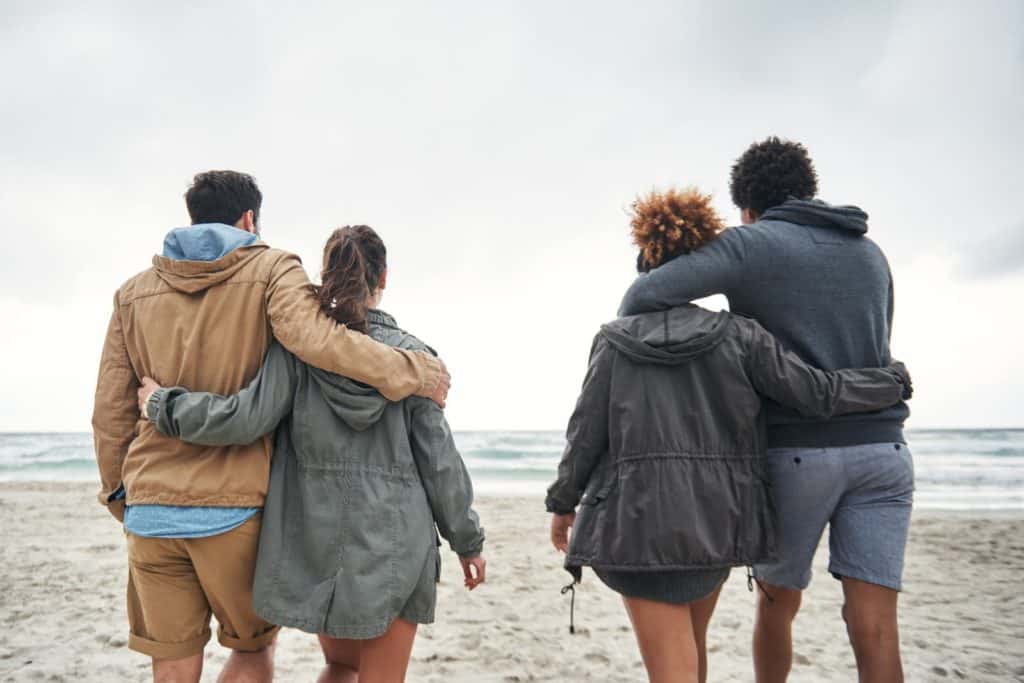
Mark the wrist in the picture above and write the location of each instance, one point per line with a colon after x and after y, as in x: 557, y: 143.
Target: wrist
x: 153, y: 405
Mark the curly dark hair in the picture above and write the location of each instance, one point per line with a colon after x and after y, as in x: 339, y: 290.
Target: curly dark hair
x: 770, y: 172
x: 355, y: 259
x: 667, y: 224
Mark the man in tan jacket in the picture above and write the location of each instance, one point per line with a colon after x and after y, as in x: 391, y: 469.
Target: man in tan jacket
x: 203, y: 317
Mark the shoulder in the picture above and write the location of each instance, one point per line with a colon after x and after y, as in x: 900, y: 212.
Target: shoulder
x: 275, y: 261
x: 387, y: 331
x: 143, y: 283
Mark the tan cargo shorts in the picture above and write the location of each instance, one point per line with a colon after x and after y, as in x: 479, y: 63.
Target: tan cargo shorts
x: 175, y: 584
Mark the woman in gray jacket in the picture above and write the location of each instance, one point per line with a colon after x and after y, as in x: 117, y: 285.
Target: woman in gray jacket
x: 359, y: 486
x: 664, y: 453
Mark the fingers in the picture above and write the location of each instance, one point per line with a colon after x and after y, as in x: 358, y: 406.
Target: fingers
x: 444, y: 384
x: 560, y: 525
x: 148, y: 387
x: 559, y: 533
x: 474, y: 571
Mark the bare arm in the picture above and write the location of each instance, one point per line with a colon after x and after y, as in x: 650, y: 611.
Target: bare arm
x: 114, y: 413
x: 302, y: 328
x: 782, y: 376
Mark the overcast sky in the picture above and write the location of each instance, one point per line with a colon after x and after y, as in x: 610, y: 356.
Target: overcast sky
x: 496, y: 149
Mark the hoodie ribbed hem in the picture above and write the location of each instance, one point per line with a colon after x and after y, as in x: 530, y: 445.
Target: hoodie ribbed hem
x: 834, y: 434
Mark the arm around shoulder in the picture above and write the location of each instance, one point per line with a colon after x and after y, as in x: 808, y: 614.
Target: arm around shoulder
x: 715, y: 268
x: 303, y: 328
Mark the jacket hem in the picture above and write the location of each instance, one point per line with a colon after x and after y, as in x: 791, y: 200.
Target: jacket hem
x: 573, y: 561
x: 175, y: 499
x: 347, y: 631
x: 834, y: 434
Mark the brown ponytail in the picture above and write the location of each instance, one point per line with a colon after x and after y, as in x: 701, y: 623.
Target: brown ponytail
x: 354, y: 262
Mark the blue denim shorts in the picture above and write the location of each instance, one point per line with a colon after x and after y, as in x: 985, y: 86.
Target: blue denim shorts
x: 863, y: 493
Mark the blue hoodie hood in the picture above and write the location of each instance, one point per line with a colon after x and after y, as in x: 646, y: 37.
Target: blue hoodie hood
x: 205, y: 242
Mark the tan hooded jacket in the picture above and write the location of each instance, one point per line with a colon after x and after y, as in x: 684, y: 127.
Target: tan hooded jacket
x: 207, y: 326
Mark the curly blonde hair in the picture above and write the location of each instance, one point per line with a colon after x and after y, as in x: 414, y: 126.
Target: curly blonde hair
x: 666, y: 224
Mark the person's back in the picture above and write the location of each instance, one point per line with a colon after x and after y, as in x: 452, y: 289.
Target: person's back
x: 808, y: 273
x: 205, y: 314
x: 202, y: 324
x: 348, y: 546
x: 348, y: 541
x: 814, y: 280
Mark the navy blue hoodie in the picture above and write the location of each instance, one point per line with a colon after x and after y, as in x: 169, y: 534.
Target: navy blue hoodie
x: 809, y: 274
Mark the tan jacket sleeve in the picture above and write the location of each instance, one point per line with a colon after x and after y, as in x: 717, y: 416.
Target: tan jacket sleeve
x: 115, y: 413
x: 302, y: 328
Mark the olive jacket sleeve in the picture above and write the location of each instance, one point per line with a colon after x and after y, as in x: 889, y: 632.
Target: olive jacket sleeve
x: 445, y: 478
x: 214, y: 420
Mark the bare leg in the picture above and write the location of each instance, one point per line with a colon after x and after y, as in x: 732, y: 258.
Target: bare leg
x: 379, y: 660
x: 870, y: 614
x: 249, y: 667
x: 700, y: 614
x: 342, y: 660
x: 773, y: 634
x: 185, y: 670
x: 664, y: 633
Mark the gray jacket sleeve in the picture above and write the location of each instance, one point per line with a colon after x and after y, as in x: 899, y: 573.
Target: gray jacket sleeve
x: 214, y: 420
x: 783, y: 377
x: 715, y: 268
x: 444, y: 476
x: 587, y: 434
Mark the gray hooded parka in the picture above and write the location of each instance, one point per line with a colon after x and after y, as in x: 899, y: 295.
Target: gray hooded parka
x: 664, y: 447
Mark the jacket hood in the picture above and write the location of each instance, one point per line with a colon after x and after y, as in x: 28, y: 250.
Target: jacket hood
x: 359, y: 405
x: 191, y: 276
x: 669, y: 337
x: 817, y: 213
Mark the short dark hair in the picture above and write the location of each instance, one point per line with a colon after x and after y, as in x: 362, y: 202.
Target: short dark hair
x: 770, y: 172
x: 222, y: 197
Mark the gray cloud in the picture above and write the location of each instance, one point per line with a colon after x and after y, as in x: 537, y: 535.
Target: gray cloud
x: 1000, y: 254
x: 493, y: 145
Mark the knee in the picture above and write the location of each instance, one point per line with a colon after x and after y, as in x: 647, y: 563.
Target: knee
x: 779, y: 605
x: 869, y: 628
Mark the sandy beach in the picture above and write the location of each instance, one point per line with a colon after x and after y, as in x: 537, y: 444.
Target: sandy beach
x: 64, y: 568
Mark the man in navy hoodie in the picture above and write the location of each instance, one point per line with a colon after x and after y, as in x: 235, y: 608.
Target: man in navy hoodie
x: 809, y: 274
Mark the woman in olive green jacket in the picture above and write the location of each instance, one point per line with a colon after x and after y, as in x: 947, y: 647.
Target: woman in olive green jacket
x: 359, y: 486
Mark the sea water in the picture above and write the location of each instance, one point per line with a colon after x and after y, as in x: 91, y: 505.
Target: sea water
x: 961, y: 469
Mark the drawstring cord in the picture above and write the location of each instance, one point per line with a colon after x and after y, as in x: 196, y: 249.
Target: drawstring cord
x: 751, y: 580
x: 571, y: 588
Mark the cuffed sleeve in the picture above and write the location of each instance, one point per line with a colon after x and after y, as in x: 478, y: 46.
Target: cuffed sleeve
x: 587, y: 434
x: 783, y: 377
x: 445, y: 479
x: 115, y: 412
x: 212, y: 420
x: 715, y: 268
x: 300, y: 325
